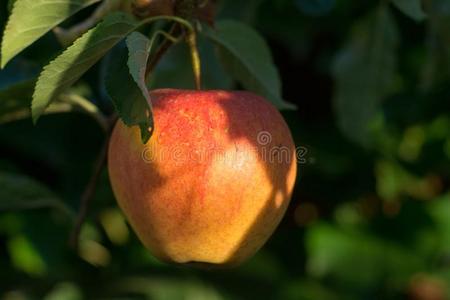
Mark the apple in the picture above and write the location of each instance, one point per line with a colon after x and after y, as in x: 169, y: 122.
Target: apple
x: 214, y: 180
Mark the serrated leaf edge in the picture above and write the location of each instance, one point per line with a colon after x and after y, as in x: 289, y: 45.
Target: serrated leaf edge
x: 8, y: 26
x: 36, y: 113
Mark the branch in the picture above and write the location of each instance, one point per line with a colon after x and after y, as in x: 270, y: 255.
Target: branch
x: 90, y: 188
x: 174, y: 31
x: 87, y: 107
x: 67, y: 36
x: 151, y: 8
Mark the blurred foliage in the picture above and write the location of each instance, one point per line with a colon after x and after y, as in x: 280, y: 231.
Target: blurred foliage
x: 370, y: 215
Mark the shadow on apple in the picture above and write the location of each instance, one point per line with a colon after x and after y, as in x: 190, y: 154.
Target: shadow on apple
x: 214, y: 180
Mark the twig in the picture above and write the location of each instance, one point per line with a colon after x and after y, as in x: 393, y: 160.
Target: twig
x: 87, y: 107
x: 90, y: 188
x: 151, y: 8
x: 162, y: 49
x: 67, y: 36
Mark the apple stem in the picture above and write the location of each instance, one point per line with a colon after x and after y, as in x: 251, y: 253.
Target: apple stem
x: 191, y: 39
x: 89, y: 191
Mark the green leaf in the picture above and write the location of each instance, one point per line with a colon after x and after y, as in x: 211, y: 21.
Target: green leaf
x: 158, y: 287
x: 11, y: 4
x: 358, y: 258
x: 31, y: 19
x: 436, y: 68
x: 65, y: 290
x: 411, y: 8
x: 15, y: 103
x: 19, y: 192
x: 364, y: 71
x: 25, y: 256
x: 67, y: 68
x: 440, y: 211
x: 246, y: 56
x: 139, y: 47
x: 175, y: 69
x: 126, y: 96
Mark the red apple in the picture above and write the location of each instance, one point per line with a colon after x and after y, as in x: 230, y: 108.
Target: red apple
x: 214, y: 180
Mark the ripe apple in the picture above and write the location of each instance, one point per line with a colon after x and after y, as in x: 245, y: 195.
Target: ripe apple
x: 214, y: 180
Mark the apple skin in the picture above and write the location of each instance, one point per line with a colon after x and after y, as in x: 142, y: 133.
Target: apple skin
x: 208, y: 188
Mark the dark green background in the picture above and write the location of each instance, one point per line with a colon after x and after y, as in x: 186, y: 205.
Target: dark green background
x: 370, y: 214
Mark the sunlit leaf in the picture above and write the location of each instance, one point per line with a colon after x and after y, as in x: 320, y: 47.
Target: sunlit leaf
x: 31, y: 19
x: 115, y: 226
x: 25, y: 257
x: 67, y: 68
